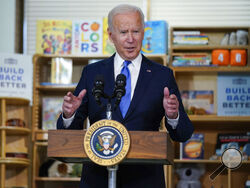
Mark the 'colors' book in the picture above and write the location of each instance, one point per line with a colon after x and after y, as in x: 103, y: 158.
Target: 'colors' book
x: 87, y: 37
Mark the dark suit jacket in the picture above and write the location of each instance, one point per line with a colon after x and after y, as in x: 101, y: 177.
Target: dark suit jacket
x: 145, y: 113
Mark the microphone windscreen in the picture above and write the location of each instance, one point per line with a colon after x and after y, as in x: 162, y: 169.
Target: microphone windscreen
x: 121, y: 77
x: 99, y: 77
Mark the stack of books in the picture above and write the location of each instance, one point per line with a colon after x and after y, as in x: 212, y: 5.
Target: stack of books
x: 192, y: 59
x: 189, y: 38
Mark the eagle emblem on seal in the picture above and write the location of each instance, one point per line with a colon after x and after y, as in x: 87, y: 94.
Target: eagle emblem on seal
x: 106, y: 142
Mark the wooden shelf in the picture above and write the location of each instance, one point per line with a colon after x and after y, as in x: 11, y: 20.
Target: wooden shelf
x: 215, y: 118
x: 199, y: 69
x: 197, y: 161
x: 205, y: 78
x: 15, y: 130
x: 89, y: 56
x: 55, y: 88
x: 57, y: 179
x: 206, y: 47
x: 15, y: 161
x: 205, y: 161
x: 41, y: 135
x: 15, y: 101
x: 41, y: 144
x: 13, y: 139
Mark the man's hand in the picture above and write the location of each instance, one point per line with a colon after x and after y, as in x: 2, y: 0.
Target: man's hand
x: 71, y: 103
x: 170, y: 104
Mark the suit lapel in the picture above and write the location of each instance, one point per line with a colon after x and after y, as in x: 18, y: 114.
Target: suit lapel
x: 108, y: 73
x: 144, y: 78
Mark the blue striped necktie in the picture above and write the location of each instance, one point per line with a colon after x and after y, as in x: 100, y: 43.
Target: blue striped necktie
x: 125, y: 102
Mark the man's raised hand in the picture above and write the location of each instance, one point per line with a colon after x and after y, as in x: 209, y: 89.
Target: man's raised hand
x: 71, y: 103
x: 170, y: 104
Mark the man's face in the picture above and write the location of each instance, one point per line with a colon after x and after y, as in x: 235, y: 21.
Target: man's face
x: 127, y: 34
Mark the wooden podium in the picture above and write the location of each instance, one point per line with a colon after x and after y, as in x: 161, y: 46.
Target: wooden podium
x: 145, y: 147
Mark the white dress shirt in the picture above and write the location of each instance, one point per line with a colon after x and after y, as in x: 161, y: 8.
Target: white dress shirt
x: 134, y: 68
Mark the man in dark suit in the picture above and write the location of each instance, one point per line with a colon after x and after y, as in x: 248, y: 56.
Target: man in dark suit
x: 152, y: 93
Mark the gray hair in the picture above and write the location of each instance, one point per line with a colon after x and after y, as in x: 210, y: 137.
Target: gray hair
x: 124, y: 8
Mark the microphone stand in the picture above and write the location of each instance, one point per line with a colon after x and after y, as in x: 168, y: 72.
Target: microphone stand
x: 112, y: 170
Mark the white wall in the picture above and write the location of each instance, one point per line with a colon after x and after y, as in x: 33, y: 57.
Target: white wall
x: 7, y: 25
x: 175, y: 12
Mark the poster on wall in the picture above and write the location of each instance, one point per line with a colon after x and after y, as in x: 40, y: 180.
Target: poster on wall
x: 87, y: 37
x: 233, y: 94
x: 16, y: 76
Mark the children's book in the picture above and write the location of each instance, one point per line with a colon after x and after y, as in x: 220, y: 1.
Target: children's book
x: 61, y: 70
x: 108, y: 46
x: 51, y: 110
x: 193, y: 148
x: 87, y: 37
x: 198, y: 102
x: 240, y: 141
x: 155, y: 37
x: 54, y: 37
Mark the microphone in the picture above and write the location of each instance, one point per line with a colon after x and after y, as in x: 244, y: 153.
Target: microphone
x: 119, y: 90
x: 98, y: 89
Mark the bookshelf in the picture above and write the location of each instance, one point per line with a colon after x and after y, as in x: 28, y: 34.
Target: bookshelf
x: 15, y: 159
x: 205, y: 78
x: 41, y: 72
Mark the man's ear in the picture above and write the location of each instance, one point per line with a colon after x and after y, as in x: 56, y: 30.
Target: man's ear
x: 110, y: 34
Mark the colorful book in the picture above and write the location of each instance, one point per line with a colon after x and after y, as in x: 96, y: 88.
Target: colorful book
x: 193, y: 148
x: 192, y: 59
x: 53, y: 37
x: 61, y: 70
x: 108, y: 46
x: 155, y: 37
x: 240, y: 141
x: 233, y: 94
x: 87, y: 37
x: 200, y: 39
x: 198, y: 102
x: 51, y: 110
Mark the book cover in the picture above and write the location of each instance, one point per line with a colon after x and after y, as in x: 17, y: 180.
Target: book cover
x: 233, y: 94
x: 87, y: 37
x: 51, y: 110
x: 193, y: 148
x: 155, y: 37
x: 240, y: 141
x: 53, y: 37
x: 61, y: 70
x: 198, y: 102
x: 108, y: 46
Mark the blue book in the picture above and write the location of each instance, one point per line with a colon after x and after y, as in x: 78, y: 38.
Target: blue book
x: 233, y: 94
x: 155, y: 38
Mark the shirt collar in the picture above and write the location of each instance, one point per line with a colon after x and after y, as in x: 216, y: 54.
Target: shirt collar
x: 135, y: 62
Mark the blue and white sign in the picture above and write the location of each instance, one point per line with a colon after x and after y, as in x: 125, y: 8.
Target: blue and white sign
x: 16, y: 77
x: 233, y: 94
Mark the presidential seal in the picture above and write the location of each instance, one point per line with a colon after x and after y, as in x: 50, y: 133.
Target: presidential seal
x: 106, y: 142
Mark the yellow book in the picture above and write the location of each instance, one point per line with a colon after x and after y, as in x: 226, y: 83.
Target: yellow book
x: 54, y: 37
x: 108, y: 46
